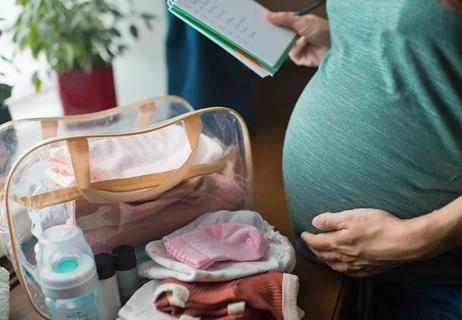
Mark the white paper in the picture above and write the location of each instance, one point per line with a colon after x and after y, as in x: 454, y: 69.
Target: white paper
x: 260, y: 71
x: 243, y: 22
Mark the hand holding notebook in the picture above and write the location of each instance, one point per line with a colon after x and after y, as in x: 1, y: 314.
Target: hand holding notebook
x: 239, y: 27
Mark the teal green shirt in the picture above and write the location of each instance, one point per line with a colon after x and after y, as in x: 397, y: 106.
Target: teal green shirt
x: 380, y: 124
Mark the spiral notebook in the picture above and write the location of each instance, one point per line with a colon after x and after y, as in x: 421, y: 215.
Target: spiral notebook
x: 239, y: 27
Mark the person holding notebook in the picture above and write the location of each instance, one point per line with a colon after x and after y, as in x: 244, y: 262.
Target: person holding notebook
x: 373, y: 151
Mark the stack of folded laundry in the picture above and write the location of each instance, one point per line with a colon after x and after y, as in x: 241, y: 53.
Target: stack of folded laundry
x: 224, y: 265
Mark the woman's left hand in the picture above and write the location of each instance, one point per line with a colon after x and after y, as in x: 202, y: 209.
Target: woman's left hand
x: 365, y: 242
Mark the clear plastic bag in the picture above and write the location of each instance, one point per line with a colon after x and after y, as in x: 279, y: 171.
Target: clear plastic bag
x: 128, y: 175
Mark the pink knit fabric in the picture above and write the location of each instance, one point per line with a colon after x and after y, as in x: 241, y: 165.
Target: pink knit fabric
x: 203, y: 247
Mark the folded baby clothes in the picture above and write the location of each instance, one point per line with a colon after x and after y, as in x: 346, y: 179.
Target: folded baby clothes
x: 279, y: 254
x: 266, y: 296
x: 141, y: 306
x: 214, y: 192
x: 202, y: 247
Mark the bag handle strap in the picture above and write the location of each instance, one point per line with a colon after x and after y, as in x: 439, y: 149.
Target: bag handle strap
x: 50, y: 126
x: 55, y: 197
x: 80, y: 160
x: 144, y: 115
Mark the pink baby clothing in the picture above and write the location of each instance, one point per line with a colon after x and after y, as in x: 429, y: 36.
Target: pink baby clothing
x: 214, y: 192
x: 203, y: 247
x: 279, y: 254
x: 162, y: 150
x: 223, y: 216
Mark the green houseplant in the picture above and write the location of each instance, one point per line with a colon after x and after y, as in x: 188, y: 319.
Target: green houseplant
x: 5, y: 91
x: 79, y: 39
x: 8, y: 139
x: 7, y: 135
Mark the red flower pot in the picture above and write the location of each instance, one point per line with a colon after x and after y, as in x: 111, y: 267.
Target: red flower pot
x: 83, y: 92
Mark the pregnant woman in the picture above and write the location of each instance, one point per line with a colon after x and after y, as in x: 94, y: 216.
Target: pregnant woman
x: 373, y: 152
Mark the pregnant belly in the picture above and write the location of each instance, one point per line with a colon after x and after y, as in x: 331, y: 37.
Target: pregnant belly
x: 342, y: 155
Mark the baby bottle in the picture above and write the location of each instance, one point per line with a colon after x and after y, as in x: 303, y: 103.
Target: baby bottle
x: 67, y: 275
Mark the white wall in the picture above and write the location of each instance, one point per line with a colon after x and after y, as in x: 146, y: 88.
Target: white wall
x: 139, y: 74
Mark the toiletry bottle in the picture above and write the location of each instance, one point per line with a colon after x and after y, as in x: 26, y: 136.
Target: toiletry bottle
x: 127, y: 273
x: 67, y: 275
x: 105, y: 266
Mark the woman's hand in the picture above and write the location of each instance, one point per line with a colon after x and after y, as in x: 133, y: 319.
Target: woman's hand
x: 314, y: 41
x: 365, y: 242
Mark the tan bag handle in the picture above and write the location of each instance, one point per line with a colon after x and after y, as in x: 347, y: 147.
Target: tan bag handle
x: 50, y: 126
x: 63, y: 195
x: 80, y: 161
x: 144, y: 115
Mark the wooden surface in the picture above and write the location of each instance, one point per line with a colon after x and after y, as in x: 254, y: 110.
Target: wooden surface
x: 20, y: 308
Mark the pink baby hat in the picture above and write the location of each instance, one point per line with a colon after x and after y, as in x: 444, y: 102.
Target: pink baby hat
x: 203, y: 247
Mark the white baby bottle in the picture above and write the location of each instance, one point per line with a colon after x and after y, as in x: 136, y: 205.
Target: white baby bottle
x: 67, y: 275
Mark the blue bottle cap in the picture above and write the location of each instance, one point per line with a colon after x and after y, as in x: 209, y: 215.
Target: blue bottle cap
x: 68, y: 277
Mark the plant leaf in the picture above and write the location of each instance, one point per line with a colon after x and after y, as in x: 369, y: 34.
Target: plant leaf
x: 5, y: 92
x: 134, y: 31
x: 21, y: 2
x: 148, y: 18
x: 2, y: 57
x: 75, y: 34
x: 121, y: 48
x: 115, y: 32
x: 36, y: 81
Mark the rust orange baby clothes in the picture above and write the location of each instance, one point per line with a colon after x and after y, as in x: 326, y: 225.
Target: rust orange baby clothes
x: 204, y: 246
x: 266, y: 296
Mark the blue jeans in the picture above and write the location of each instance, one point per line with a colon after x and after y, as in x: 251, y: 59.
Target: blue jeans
x: 416, y: 302
x: 203, y: 73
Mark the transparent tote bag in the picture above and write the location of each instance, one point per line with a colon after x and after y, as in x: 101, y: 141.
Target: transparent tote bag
x: 128, y: 175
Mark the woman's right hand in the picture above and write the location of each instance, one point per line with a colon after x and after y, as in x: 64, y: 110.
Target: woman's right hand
x: 315, y: 38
